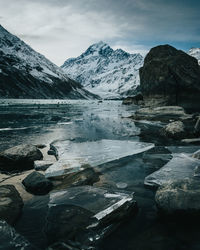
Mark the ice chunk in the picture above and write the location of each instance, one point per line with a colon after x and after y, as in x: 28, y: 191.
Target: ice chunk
x: 73, y: 155
x: 101, y: 202
x: 180, y: 167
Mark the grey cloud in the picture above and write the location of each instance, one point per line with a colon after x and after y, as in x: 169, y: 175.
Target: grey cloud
x: 64, y: 28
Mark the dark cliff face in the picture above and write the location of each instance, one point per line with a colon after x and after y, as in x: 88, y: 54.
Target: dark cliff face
x: 172, y: 77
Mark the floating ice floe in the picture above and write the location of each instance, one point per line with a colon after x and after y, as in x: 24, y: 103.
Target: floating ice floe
x: 71, y: 155
x: 181, y: 166
x: 101, y: 202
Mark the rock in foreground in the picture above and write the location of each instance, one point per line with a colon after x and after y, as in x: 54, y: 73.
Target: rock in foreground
x: 36, y: 183
x: 10, y: 203
x: 179, y: 196
x: 19, y: 158
x: 170, y: 77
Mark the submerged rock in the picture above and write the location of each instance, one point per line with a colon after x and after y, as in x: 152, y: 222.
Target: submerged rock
x: 179, y: 196
x: 36, y: 183
x: 19, y: 158
x: 86, y: 176
x: 170, y: 77
x: 10, y: 203
x: 10, y: 239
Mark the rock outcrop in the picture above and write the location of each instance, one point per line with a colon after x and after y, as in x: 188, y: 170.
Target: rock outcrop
x: 10, y: 203
x: 170, y: 77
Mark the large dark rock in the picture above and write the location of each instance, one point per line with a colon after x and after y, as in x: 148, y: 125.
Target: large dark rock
x: 19, y: 158
x: 170, y: 77
x: 10, y: 239
x: 10, y: 203
x: 36, y: 183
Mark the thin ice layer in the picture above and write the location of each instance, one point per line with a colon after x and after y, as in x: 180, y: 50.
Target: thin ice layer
x: 99, y: 201
x: 180, y: 167
x: 74, y: 155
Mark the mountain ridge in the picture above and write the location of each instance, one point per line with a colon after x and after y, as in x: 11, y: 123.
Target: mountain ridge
x: 104, y: 71
x: 25, y: 73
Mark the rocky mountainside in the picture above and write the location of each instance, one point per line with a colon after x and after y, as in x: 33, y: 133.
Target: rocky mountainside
x: 24, y: 73
x: 195, y: 52
x: 170, y: 77
x: 104, y: 71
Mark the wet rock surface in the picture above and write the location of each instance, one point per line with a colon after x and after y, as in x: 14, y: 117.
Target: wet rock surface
x: 170, y: 77
x: 19, y: 158
x: 10, y: 239
x: 11, y: 204
x: 37, y: 184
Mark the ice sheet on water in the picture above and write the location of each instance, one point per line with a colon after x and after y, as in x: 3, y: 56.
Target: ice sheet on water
x: 97, y: 200
x: 73, y: 155
x: 180, y: 167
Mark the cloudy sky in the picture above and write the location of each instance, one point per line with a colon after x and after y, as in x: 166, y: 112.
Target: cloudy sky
x: 60, y: 29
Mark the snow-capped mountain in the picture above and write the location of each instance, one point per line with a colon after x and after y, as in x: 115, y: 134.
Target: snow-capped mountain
x: 24, y: 73
x: 195, y: 52
x: 104, y: 71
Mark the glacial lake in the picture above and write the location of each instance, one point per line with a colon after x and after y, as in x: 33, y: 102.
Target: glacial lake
x: 91, y: 124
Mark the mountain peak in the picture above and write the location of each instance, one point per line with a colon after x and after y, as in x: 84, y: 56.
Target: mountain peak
x: 100, y: 48
x: 102, y: 70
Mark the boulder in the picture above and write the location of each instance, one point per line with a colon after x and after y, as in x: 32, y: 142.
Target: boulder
x: 11, y: 204
x: 175, y: 130
x: 19, y: 158
x: 37, y: 184
x: 170, y: 77
x: 179, y: 196
x: 10, y: 239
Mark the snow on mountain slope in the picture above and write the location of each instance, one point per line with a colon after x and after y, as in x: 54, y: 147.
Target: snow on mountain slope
x: 104, y: 71
x: 195, y: 52
x: 28, y: 74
